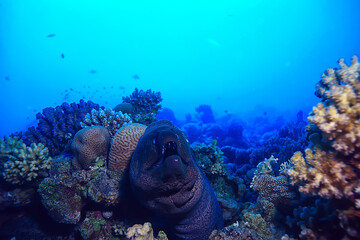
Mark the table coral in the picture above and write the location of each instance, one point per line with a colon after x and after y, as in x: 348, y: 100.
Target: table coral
x: 88, y: 144
x: 107, y: 118
x: 332, y: 169
x: 23, y: 163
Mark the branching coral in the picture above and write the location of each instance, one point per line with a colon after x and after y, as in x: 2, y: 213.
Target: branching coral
x: 23, y: 163
x: 146, y: 105
x: 332, y: 169
x: 144, y: 101
x: 107, y: 118
x: 58, y: 125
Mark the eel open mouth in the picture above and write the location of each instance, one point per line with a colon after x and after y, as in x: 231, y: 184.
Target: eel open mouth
x: 169, y: 156
x: 168, y: 149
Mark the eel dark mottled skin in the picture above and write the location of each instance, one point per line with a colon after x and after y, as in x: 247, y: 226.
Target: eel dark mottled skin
x: 165, y: 179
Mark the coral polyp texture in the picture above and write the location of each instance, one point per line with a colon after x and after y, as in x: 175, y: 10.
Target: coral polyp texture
x: 274, y: 189
x: 58, y: 125
x: 23, y: 163
x: 331, y: 167
x: 123, y: 146
x: 88, y: 144
x: 107, y: 118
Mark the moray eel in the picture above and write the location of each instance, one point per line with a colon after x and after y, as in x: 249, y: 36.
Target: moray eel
x: 166, y: 180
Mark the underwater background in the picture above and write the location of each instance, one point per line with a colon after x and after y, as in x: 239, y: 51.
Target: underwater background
x: 239, y: 78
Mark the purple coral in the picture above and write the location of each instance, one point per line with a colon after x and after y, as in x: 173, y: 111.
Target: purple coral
x: 58, y: 125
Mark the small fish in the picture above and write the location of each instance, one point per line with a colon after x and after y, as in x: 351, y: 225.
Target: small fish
x: 265, y: 113
x: 62, y: 55
x: 136, y: 76
x: 7, y: 78
x: 92, y: 71
x: 71, y: 89
x: 51, y: 35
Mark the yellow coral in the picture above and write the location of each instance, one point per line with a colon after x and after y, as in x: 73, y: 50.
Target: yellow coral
x: 140, y: 232
x: 332, y: 165
x: 327, y: 176
x: 338, y: 116
x: 23, y: 163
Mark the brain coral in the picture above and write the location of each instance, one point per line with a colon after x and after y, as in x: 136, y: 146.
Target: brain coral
x: 88, y: 144
x: 123, y: 146
x: 108, y: 118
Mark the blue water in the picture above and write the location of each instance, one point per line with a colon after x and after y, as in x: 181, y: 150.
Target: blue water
x: 243, y: 57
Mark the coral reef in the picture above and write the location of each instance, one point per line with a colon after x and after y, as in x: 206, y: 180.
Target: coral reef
x: 144, y: 232
x: 235, y: 232
x: 23, y: 163
x: 331, y: 167
x: 228, y: 189
x: 317, y: 214
x: 127, y: 108
x: 95, y: 227
x: 123, y: 145
x: 58, y: 125
x: 256, y: 223
x: 140, y: 232
x: 107, y: 118
x: 210, y: 159
x: 274, y: 189
x: 334, y: 172
x: 146, y: 105
x: 205, y: 113
x: 89, y: 144
x: 61, y: 193
x: 66, y: 191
